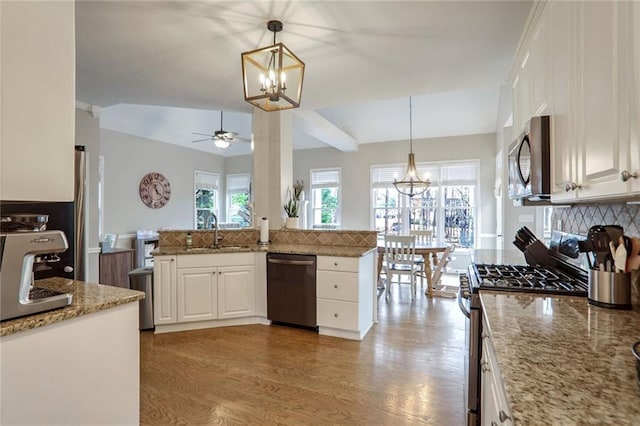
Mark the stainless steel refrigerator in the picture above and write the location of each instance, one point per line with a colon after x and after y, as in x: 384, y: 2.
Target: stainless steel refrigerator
x: 68, y: 217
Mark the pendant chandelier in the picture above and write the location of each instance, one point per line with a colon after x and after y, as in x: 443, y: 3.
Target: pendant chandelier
x: 272, y: 75
x: 411, y: 184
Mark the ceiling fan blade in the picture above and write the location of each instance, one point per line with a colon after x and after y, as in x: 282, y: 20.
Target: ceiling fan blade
x: 245, y: 140
x: 200, y: 140
x: 203, y: 134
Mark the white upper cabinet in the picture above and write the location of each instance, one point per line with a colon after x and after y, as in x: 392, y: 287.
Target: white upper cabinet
x: 633, y: 165
x: 563, y: 87
x: 579, y: 63
x: 38, y: 100
x: 603, y: 43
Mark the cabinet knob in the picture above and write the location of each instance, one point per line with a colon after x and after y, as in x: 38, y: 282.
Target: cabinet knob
x: 572, y: 187
x: 335, y: 263
x: 335, y: 315
x: 68, y: 269
x: 335, y: 286
x: 484, y: 366
x: 625, y: 175
x: 219, y: 272
x: 503, y: 416
x: 493, y: 423
x: 172, y: 260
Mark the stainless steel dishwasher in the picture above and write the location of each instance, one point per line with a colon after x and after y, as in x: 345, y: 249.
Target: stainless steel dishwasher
x: 291, y: 289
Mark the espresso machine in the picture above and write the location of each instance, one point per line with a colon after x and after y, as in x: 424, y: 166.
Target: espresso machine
x: 18, y: 252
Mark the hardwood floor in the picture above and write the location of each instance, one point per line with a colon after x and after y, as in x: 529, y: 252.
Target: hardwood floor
x: 409, y: 369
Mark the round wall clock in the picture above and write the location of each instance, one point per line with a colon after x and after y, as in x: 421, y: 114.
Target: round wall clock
x: 155, y: 190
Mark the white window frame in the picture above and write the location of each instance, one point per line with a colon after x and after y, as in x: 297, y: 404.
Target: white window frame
x: 230, y: 192
x: 214, y: 177
x: 313, y: 186
x: 439, y: 173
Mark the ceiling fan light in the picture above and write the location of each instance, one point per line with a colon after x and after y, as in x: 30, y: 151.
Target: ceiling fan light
x: 273, y: 75
x: 221, y: 143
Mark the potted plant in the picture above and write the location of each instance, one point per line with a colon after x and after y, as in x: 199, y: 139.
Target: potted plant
x: 291, y: 209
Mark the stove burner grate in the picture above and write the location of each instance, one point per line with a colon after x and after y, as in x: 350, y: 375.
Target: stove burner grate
x: 527, y: 279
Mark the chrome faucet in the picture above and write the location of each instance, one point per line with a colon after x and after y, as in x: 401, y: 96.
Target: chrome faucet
x: 207, y: 225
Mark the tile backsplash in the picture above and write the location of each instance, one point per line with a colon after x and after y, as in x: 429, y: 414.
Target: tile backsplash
x: 579, y: 218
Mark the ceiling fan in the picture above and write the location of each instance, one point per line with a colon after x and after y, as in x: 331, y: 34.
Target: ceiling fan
x: 221, y: 138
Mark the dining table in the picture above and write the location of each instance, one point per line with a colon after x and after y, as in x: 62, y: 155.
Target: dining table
x: 425, y: 250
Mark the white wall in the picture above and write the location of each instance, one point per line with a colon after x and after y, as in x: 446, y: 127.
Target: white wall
x: 127, y: 159
x: 356, y: 169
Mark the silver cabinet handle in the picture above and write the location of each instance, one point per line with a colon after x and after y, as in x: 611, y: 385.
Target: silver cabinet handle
x: 625, y: 175
x: 503, y: 416
x: 572, y: 187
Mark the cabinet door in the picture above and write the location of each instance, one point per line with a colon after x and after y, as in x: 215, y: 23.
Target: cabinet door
x: 603, y: 36
x: 236, y: 291
x: 38, y: 101
x: 634, y: 140
x: 540, y: 65
x: 164, y: 290
x: 197, y: 294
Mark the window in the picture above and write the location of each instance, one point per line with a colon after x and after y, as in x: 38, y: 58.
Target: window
x: 447, y: 207
x: 325, y: 198
x: 205, y: 198
x: 238, y: 198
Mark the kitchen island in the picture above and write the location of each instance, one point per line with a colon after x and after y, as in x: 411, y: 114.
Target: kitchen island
x: 564, y: 361
x: 75, y: 365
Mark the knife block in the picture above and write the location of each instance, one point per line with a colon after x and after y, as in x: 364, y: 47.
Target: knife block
x: 537, y: 253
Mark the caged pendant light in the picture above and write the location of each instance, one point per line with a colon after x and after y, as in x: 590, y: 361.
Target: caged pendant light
x: 272, y: 75
x: 411, y: 184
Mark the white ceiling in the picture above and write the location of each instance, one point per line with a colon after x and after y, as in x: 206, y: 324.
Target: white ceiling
x: 363, y: 60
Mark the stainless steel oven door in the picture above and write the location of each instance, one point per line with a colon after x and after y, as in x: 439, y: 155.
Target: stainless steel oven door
x: 473, y: 326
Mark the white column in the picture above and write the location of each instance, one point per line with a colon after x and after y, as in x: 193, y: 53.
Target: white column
x: 272, y: 163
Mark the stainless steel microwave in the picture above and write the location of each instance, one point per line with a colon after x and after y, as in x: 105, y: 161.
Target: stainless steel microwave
x: 530, y: 161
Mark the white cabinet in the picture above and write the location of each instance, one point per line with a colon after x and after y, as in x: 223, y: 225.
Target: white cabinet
x: 603, y: 42
x: 532, y: 75
x: 236, y: 291
x: 593, y: 141
x: 197, y: 295
x: 164, y: 290
x: 344, y: 288
x: 38, y: 100
x: 190, y: 289
x: 565, y: 167
x: 495, y: 407
x: 633, y: 164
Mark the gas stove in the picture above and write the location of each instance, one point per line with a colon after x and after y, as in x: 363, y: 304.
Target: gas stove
x: 525, y: 278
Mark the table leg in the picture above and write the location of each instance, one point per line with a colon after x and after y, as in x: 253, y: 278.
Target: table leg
x: 427, y: 271
x: 380, y: 259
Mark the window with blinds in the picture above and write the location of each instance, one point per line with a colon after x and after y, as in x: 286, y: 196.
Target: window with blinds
x: 205, y: 198
x: 447, y: 208
x: 238, y: 198
x: 325, y: 198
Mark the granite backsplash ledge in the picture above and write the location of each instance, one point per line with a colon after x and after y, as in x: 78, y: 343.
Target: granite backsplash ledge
x: 578, y: 219
x: 204, y: 238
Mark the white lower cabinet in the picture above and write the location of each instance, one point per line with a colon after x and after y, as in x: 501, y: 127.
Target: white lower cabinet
x: 344, y: 289
x: 197, y: 295
x: 236, y: 291
x: 495, y: 407
x: 203, y: 287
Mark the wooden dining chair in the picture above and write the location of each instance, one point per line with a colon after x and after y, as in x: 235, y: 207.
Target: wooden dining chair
x: 438, y: 270
x: 423, y: 237
x: 400, y: 260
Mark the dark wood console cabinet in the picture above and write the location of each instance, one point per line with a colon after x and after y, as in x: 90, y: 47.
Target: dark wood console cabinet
x: 115, y: 266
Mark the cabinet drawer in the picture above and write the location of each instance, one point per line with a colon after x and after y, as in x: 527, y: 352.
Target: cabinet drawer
x: 333, y: 263
x: 209, y: 260
x: 337, y: 314
x: 337, y: 285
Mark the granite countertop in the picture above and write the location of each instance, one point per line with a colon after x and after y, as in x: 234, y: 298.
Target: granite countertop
x: 564, y: 361
x: 320, y: 250
x: 87, y: 298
